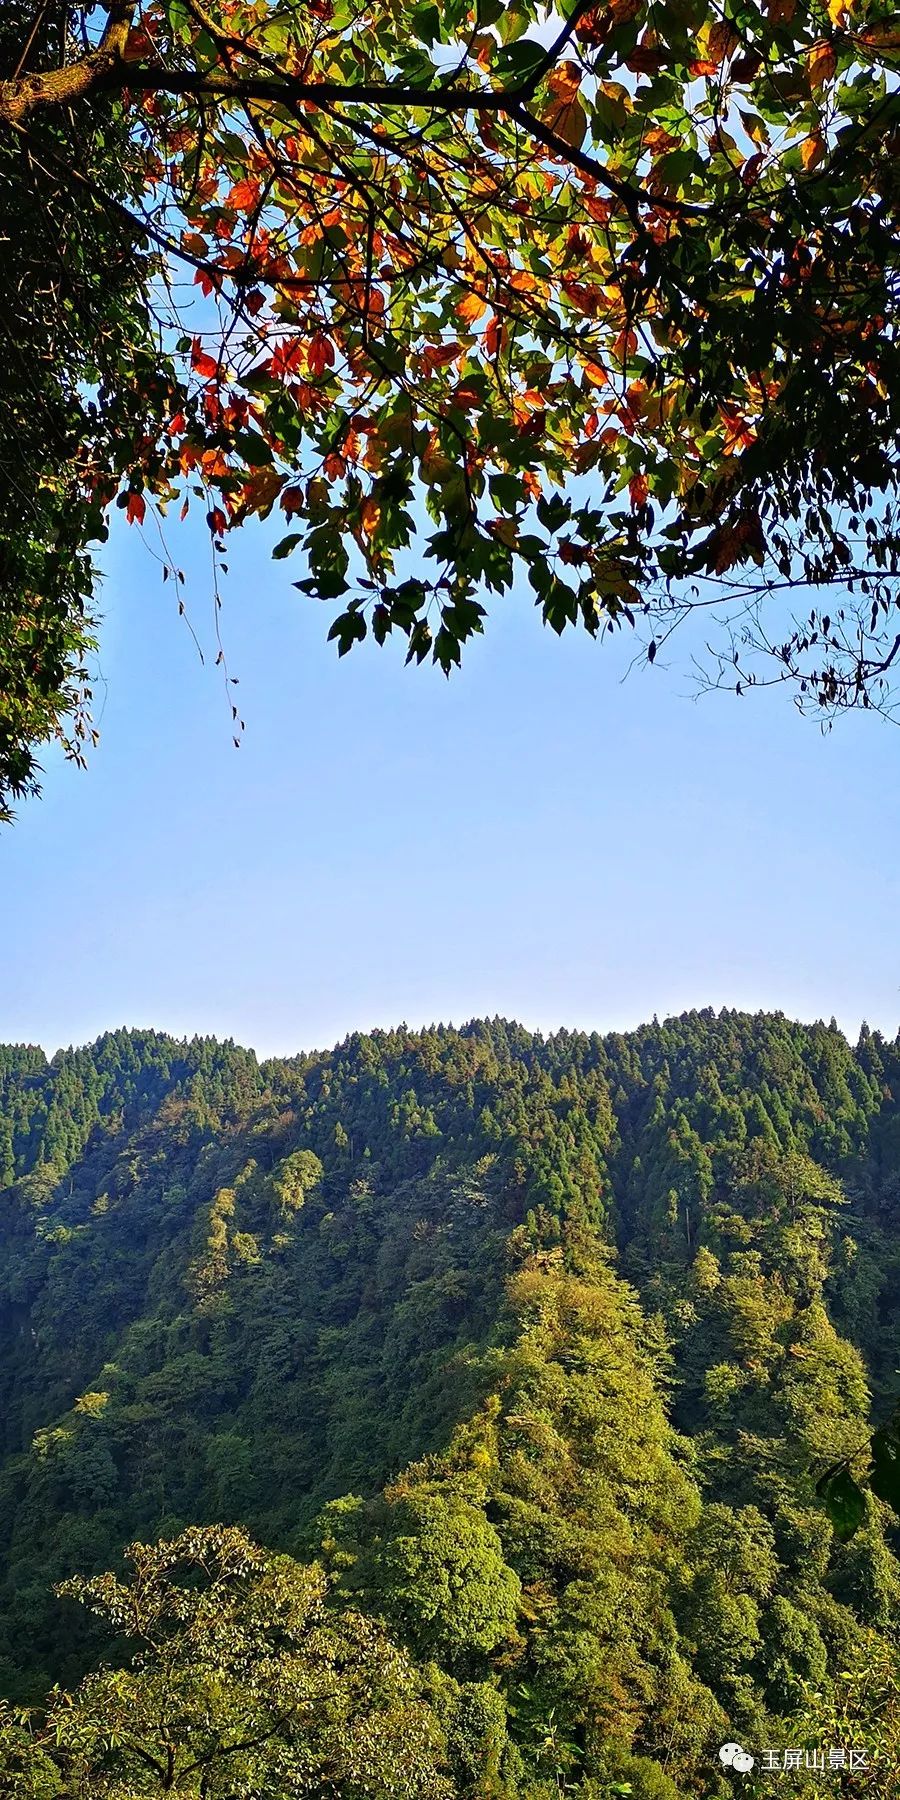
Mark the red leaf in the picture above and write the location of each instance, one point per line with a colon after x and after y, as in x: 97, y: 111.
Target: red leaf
x: 135, y: 509
x: 436, y: 356
x: 244, y: 195
x: 203, y: 364
x: 320, y: 354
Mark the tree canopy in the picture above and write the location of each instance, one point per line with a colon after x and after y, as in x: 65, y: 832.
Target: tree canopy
x: 601, y: 299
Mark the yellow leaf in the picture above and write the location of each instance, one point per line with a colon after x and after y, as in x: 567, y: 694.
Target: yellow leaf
x: 755, y: 128
x: 812, y: 150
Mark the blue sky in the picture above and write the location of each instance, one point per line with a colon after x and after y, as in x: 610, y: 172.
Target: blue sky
x: 537, y: 837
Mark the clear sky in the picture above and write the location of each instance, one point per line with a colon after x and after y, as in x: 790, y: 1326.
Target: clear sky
x: 536, y: 838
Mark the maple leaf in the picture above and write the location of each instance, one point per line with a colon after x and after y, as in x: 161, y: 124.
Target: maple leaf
x: 320, y: 354
x: 244, y: 196
x: 471, y: 308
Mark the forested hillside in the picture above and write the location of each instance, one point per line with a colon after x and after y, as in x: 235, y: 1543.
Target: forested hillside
x: 531, y: 1351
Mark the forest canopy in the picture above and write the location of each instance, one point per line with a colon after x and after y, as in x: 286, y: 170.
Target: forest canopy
x: 599, y: 301
x: 477, y: 1386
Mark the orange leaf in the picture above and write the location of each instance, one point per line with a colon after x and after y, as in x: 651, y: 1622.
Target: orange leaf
x: 821, y: 65
x: 565, y: 81
x: 244, y: 195
x: 370, y: 515
x: 812, y: 150
x: 638, y: 488
x: 569, y: 121
x: 205, y: 365
x: 494, y: 336
x: 471, y: 308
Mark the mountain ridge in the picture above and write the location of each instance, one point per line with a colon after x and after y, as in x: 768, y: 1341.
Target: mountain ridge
x: 589, y: 1313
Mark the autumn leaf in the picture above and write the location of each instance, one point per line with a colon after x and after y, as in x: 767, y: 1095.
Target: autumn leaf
x: 821, y: 65
x: 437, y: 356
x: 320, y: 354
x: 260, y: 491
x: 812, y: 150
x: 638, y: 489
x: 494, y: 336
x: 137, y: 44
x: 291, y: 501
x: 568, y: 121
x: 244, y: 195
x: 471, y: 308
x: 202, y: 363
x: 135, y: 508
x: 722, y: 40
x: 370, y: 515
x: 885, y: 36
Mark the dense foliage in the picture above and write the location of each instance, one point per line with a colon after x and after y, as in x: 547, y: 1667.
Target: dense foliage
x: 525, y: 1356
x: 602, y: 299
x: 77, y: 371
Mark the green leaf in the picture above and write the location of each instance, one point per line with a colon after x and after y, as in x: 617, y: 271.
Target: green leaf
x: 845, y: 1504
x: 884, y: 1478
x: 286, y: 545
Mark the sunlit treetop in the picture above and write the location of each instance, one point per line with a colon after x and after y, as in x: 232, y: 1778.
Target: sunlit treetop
x: 604, y: 304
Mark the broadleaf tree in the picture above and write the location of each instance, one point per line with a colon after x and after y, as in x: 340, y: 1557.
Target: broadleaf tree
x: 601, y: 299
